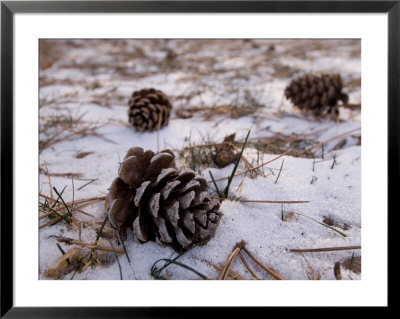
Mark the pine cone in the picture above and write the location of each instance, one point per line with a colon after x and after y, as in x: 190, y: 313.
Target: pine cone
x: 147, y: 107
x: 318, y: 93
x: 224, y: 155
x: 161, y: 203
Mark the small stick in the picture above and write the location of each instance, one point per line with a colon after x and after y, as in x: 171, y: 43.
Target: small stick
x: 232, y: 274
x: 231, y: 258
x: 315, y: 250
x: 267, y: 269
x: 248, y: 266
x: 264, y: 201
x: 71, y: 241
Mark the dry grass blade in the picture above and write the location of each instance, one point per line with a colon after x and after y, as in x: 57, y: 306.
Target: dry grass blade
x: 267, y: 269
x: 316, y: 250
x: 231, y: 258
x: 71, y: 241
x: 327, y: 226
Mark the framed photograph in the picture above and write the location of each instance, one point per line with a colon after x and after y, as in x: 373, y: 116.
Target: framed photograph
x: 151, y: 149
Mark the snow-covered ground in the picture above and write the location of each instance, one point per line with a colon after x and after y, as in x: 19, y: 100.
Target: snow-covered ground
x: 86, y: 84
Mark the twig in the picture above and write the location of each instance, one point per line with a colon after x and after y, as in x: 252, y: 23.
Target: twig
x: 315, y: 250
x: 231, y: 258
x: 71, y: 241
x: 248, y: 266
x: 233, y: 274
x: 267, y: 269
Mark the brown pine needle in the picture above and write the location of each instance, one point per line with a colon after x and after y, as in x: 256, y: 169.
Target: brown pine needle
x: 315, y: 250
x: 233, y: 274
x: 79, y: 201
x: 231, y: 258
x: 254, y: 168
x: 45, y: 215
x: 314, y: 275
x: 263, y: 201
x: 91, y: 199
x: 248, y: 266
x: 331, y: 139
x: 71, y: 241
x: 246, y: 162
x: 55, y: 220
x: 68, y: 174
x: 69, y: 206
x: 267, y: 269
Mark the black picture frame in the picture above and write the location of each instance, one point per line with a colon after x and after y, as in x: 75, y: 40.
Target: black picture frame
x: 9, y: 8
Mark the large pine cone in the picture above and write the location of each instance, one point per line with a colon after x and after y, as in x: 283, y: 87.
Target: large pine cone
x: 161, y: 203
x: 318, y: 93
x: 147, y: 108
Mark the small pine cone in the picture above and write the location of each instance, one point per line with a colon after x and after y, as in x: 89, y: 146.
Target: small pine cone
x: 318, y: 93
x: 147, y: 108
x: 223, y: 156
x: 161, y: 203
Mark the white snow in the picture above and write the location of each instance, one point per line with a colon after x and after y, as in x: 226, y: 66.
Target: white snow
x: 224, y: 71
